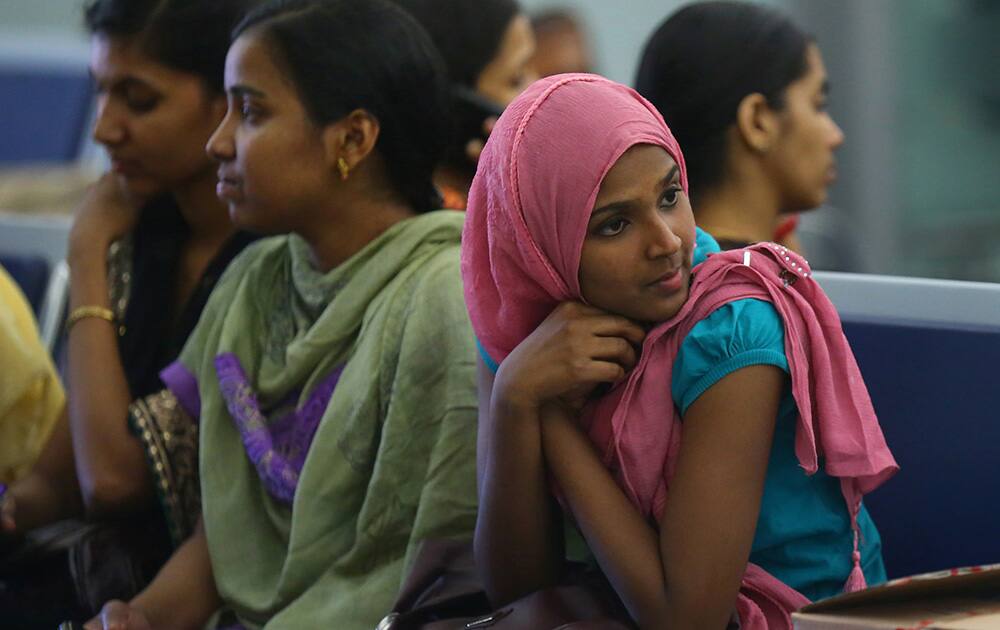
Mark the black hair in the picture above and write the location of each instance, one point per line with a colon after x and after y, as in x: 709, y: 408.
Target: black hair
x: 188, y: 35
x: 467, y: 32
x: 343, y: 55
x: 704, y: 60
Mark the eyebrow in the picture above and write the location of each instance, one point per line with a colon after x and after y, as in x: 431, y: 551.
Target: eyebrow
x: 245, y: 90
x: 626, y: 204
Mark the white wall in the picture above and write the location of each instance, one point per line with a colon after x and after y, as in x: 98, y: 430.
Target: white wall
x: 619, y: 29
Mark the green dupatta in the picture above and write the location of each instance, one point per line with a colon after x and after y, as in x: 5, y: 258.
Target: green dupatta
x: 393, y: 459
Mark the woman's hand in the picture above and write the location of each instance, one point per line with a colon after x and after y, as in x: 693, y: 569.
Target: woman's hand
x: 106, y: 214
x: 474, y: 147
x: 574, y: 350
x: 8, y: 525
x: 117, y: 615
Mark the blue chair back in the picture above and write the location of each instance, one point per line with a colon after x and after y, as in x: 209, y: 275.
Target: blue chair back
x: 45, y: 114
x: 933, y: 370
x: 31, y: 274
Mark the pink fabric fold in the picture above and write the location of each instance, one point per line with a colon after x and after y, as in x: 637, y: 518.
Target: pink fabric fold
x: 538, y: 178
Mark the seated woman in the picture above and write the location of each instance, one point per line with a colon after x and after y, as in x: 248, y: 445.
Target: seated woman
x: 333, y: 371
x: 487, y: 46
x: 31, y: 396
x: 757, y: 137
x: 705, y: 423
x: 147, y: 246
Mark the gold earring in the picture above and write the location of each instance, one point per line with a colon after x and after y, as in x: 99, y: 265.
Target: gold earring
x: 344, y: 169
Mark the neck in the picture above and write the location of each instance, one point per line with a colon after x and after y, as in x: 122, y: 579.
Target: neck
x: 205, y: 214
x: 357, y: 223
x: 741, y: 209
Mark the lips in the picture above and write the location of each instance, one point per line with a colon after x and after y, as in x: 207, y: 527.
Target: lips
x: 229, y: 188
x: 125, y: 167
x: 669, y: 282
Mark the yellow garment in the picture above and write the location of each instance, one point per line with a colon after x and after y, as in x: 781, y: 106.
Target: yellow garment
x: 31, y: 396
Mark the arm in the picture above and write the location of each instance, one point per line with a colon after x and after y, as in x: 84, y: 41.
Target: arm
x: 518, y: 544
x: 518, y: 539
x: 183, y: 595
x: 110, y: 464
x: 688, y: 576
x: 49, y: 492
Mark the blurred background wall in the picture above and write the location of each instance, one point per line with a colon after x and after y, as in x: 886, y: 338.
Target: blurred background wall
x: 915, y: 86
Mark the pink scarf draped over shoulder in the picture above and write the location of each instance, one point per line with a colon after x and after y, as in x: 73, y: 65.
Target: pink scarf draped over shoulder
x: 528, y: 210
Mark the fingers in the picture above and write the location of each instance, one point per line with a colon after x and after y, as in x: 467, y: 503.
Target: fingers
x: 7, y: 510
x: 473, y: 149
x: 615, y: 350
x: 114, y: 616
x: 600, y: 323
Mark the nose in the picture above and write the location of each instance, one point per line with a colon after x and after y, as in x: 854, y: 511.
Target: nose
x: 837, y: 134
x: 109, y: 129
x: 221, y: 146
x: 662, y: 239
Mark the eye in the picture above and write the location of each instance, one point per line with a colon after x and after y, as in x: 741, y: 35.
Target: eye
x: 612, y: 227
x: 671, y: 196
x: 249, y: 112
x: 141, y: 101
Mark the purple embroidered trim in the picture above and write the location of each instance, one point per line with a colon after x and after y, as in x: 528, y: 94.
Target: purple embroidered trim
x: 184, y: 385
x: 277, y: 449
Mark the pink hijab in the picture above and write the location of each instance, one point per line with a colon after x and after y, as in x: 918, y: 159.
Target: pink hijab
x: 526, y: 223
x: 530, y: 201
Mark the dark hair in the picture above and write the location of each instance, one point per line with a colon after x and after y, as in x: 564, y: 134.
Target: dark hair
x: 188, y: 35
x: 343, y: 55
x: 706, y: 58
x: 467, y: 32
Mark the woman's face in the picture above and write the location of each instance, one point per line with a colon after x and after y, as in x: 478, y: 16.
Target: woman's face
x: 636, y: 257
x: 802, y: 162
x: 272, y: 163
x: 508, y: 74
x: 152, y: 119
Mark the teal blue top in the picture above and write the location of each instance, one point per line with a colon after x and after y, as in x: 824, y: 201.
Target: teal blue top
x: 803, y: 534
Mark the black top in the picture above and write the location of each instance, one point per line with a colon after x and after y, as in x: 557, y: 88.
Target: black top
x: 155, y: 330
x: 726, y: 244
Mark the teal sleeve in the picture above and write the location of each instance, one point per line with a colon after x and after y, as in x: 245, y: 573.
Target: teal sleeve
x: 490, y: 363
x: 736, y: 335
x: 704, y: 245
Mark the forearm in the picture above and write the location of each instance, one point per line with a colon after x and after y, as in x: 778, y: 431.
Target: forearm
x: 49, y: 492
x: 183, y: 595
x: 626, y: 545
x: 518, y: 546
x: 109, y: 461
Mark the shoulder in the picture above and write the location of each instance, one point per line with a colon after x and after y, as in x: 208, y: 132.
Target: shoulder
x: 736, y: 335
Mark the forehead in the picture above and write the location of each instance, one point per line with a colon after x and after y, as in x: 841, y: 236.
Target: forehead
x: 639, y: 167
x: 113, y: 58
x: 518, y: 42
x: 249, y: 62
x: 815, y: 74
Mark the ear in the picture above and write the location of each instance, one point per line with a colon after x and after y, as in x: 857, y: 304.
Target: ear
x: 757, y: 123
x: 352, y: 138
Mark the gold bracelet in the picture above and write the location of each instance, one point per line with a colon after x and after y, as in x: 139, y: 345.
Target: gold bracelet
x: 83, y: 312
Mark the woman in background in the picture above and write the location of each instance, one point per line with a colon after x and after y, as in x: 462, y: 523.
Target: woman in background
x: 333, y: 369
x: 757, y: 137
x: 147, y: 246
x: 487, y: 47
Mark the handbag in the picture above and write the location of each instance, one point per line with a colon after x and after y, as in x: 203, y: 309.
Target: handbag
x: 442, y: 592
x: 69, y: 569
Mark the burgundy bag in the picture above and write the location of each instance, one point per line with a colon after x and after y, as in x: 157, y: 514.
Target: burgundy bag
x: 442, y: 592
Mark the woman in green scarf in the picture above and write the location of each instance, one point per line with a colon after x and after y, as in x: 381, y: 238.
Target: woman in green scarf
x: 333, y: 368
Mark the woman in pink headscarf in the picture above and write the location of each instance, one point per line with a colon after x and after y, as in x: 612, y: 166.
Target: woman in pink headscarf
x: 703, y: 422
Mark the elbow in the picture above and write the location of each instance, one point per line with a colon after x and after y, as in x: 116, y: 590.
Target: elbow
x: 111, y: 495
